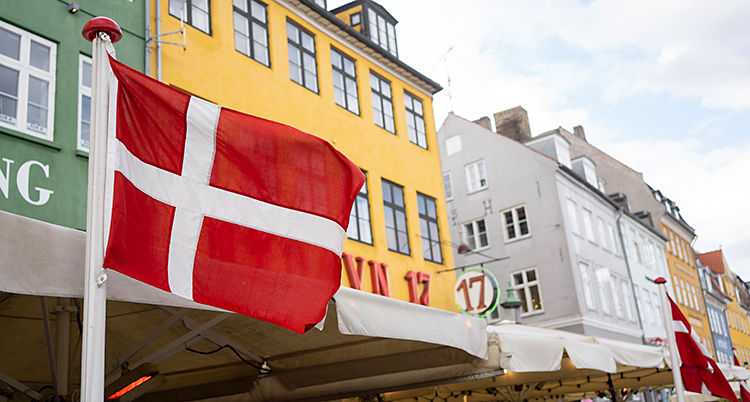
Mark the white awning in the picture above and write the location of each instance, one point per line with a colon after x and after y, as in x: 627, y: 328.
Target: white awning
x: 369, y: 344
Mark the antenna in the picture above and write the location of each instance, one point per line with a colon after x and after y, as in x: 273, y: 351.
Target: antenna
x: 447, y: 73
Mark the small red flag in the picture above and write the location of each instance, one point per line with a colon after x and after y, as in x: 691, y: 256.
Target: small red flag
x: 224, y: 208
x: 700, y: 373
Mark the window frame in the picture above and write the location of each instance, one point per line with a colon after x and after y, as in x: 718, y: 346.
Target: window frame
x: 299, y: 46
x: 429, y: 219
x: 83, y: 91
x: 188, y: 16
x: 413, y: 115
x: 481, y: 175
x: 391, y: 45
x: 250, y: 19
x: 449, y: 188
x: 526, y: 293
x: 25, y: 70
x: 356, y: 215
x: 344, y: 75
x: 516, y: 223
x: 476, y: 234
x: 588, y: 225
x: 586, y: 285
x: 394, y: 209
x: 378, y: 93
x: 575, y: 226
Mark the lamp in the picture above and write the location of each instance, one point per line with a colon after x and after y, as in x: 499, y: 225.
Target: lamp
x: 73, y: 8
x: 463, y: 248
x: 132, y: 384
x: 512, y: 302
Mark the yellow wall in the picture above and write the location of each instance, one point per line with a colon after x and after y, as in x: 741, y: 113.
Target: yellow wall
x: 739, y: 327
x: 346, y: 17
x: 211, y: 68
x: 682, y: 266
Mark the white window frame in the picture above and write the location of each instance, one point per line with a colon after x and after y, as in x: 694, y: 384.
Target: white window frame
x: 516, y: 223
x: 475, y: 228
x: 602, y: 233
x: 588, y: 225
x: 448, y: 186
x: 617, y: 302
x: 476, y: 177
x: 613, y: 239
x: 26, y: 70
x: 588, y: 290
x: 575, y: 227
x: 626, y: 292
x: 602, y: 276
x: 525, y: 287
x: 83, y: 91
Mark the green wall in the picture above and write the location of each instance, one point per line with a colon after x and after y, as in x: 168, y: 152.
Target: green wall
x: 68, y: 168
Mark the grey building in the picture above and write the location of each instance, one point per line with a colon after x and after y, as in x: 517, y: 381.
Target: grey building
x: 534, y: 204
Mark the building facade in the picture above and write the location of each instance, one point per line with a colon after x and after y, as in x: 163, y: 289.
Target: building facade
x: 527, y: 202
x: 334, y: 74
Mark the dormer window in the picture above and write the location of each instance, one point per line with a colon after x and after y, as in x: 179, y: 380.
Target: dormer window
x: 355, y: 19
x: 382, y: 31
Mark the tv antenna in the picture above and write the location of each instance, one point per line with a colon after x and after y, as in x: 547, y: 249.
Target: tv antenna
x: 447, y: 73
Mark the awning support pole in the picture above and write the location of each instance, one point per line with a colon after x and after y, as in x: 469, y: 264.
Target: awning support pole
x: 52, y: 368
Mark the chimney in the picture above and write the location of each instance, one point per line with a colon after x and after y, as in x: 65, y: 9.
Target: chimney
x: 578, y: 132
x: 513, y: 123
x: 484, y: 122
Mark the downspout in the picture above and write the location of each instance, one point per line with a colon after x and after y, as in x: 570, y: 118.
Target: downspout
x: 147, y: 56
x: 627, y: 265
x: 158, y: 41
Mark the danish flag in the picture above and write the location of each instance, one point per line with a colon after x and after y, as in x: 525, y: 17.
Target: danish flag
x: 223, y: 208
x: 700, y: 373
x: 744, y: 389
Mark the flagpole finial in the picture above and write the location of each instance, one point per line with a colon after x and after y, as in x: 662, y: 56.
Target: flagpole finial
x: 102, y: 24
x: 660, y: 280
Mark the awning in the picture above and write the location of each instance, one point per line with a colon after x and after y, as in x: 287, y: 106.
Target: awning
x: 369, y: 344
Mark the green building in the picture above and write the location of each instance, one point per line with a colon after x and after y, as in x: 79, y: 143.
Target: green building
x: 45, y: 88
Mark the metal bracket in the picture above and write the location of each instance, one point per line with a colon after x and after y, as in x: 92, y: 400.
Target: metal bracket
x: 102, y: 277
x: 157, y: 38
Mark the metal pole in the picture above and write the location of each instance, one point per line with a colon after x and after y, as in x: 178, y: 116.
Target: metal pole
x: 95, y: 287
x: 666, y: 309
x: 63, y: 344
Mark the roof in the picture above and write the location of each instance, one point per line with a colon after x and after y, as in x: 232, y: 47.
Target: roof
x: 330, y: 21
x: 381, y: 10
x: 714, y: 260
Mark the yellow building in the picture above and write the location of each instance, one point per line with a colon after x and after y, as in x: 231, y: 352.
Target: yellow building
x: 682, y: 269
x: 735, y: 311
x: 294, y: 62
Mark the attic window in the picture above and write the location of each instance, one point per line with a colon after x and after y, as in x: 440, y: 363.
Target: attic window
x: 355, y: 19
x: 321, y: 3
x: 382, y: 32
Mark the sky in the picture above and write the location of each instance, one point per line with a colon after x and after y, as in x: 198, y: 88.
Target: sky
x: 663, y: 86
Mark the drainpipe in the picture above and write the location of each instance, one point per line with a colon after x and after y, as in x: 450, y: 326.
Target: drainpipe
x: 147, y: 56
x: 158, y: 41
x: 627, y: 265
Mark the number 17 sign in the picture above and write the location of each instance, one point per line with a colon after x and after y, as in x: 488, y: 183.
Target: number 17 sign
x: 476, y: 292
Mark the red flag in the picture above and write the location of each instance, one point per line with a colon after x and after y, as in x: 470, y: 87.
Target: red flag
x: 700, y: 373
x: 744, y: 390
x: 223, y: 208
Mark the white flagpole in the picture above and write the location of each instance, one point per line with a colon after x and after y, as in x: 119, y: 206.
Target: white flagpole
x: 666, y: 310
x: 100, y: 31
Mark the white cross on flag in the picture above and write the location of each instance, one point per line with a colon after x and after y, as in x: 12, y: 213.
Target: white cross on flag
x: 223, y: 208
x: 699, y: 371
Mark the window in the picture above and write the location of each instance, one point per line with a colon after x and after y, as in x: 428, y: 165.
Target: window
x: 382, y: 103
x: 453, y: 145
x: 303, y: 68
x: 602, y: 234
x: 475, y: 235
x: 587, y: 224
x: 616, y: 301
x: 345, y: 91
x: 321, y: 3
x: 573, y: 217
x: 588, y: 291
x: 516, y: 225
x: 476, y: 179
x: 648, y: 313
x: 382, y: 32
x: 394, y: 208
x: 526, y: 285
x: 686, y: 294
x: 637, y: 293
x: 355, y: 19
x: 602, y: 277
x: 626, y: 299
x: 677, y: 292
x: 84, y: 102
x: 194, y: 12
x: 695, y: 298
x: 359, y: 220
x: 657, y: 310
x: 415, y: 120
x: 27, y: 82
x: 428, y: 228
x: 448, y: 186
x: 251, y: 30
x: 613, y: 238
